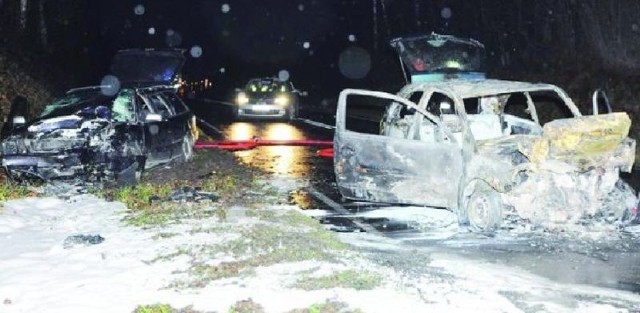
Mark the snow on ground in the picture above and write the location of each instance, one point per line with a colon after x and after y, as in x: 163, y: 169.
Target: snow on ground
x: 38, y: 274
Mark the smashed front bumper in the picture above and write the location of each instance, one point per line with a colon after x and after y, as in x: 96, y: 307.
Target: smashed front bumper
x: 43, y: 166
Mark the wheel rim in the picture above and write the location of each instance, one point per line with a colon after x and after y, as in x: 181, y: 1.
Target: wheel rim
x: 479, y: 208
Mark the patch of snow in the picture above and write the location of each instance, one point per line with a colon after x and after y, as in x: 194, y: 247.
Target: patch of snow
x: 37, y: 273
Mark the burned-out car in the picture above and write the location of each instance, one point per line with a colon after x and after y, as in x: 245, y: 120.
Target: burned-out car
x: 488, y: 150
x: 108, y: 132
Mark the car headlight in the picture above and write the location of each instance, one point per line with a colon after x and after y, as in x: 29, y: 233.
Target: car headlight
x: 242, y: 99
x: 9, y: 147
x: 282, y: 100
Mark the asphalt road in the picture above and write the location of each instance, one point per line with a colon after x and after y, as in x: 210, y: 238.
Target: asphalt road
x: 612, y: 261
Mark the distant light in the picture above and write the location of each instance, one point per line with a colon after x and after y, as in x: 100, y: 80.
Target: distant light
x: 446, y: 13
x: 152, y: 31
x: 283, y: 75
x: 352, y: 37
x: 300, y: 7
x: 306, y: 45
x: 222, y: 70
x: 635, y: 27
x: 196, y: 51
x: 139, y: 9
x: 226, y: 8
x: 310, y: 52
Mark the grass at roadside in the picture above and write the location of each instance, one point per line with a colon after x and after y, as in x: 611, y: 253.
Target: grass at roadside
x: 250, y: 306
x: 358, y: 280
x: 279, y: 236
x: 9, y: 191
x: 152, y: 204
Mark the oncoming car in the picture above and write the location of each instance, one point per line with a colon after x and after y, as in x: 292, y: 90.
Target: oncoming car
x: 267, y: 98
x: 106, y: 133
x: 489, y: 150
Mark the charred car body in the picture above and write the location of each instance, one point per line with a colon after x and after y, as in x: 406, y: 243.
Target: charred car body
x: 267, y: 98
x: 488, y: 150
x: 108, y: 132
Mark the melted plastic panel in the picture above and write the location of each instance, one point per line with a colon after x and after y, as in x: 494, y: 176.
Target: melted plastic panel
x: 584, y: 141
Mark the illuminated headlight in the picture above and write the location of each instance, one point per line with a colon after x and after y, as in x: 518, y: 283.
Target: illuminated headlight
x: 242, y: 99
x: 281, y: 100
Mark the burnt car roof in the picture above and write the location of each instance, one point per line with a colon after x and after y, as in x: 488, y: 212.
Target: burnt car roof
x: 147, y: 67
x: 478, y: 88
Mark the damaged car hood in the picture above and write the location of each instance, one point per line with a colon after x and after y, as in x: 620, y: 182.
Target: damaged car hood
x: 585, y: 142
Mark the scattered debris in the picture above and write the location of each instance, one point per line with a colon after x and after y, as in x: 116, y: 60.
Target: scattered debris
x: 85, y: 240
x: 187, y: 194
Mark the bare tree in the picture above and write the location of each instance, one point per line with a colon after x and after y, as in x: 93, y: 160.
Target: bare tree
x: 23, y: 14
x: 42, y: 27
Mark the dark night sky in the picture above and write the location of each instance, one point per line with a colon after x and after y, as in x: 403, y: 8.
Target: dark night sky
x: 241, y: 39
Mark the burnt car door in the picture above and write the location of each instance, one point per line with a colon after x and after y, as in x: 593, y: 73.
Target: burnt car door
x: 395, y: 166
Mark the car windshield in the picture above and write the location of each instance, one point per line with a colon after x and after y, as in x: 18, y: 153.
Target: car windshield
x: 266, y: 86
x: 76, y: 101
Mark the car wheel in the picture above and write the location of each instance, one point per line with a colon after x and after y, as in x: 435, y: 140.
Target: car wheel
x: 482, y: 208
x: 187, y: 149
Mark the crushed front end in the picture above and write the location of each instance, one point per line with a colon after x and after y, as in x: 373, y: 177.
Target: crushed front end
x: 61, y: 147
x: 573, y: 172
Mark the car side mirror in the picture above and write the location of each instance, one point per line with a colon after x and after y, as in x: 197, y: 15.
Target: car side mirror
x: 18, y: 120
x: 153, y: 117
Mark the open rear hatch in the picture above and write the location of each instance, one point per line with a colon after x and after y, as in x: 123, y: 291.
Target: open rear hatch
x: 138, y: 67
x: 438, y: 57
x: 586, y: 142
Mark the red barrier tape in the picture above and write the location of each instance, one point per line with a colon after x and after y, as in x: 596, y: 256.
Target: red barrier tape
x: 236, y: 145
x: 325, y: 153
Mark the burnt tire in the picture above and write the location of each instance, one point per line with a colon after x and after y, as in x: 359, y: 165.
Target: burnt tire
x: 481, y: 208
x: 186, y: 149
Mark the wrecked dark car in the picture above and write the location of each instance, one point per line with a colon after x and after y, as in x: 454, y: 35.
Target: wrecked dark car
x: 267, y: 98
x: 108, y: 132
x: 489, y: 150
